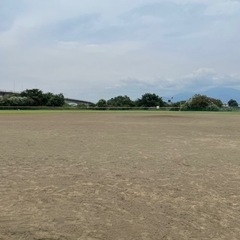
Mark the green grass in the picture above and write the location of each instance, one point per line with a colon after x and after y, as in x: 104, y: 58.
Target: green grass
x: 33, y: 111
x: 113, y: 111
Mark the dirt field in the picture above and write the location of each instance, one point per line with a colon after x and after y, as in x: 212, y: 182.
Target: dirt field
x: 119, y: 176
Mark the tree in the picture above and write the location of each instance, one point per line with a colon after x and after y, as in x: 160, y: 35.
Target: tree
x: 150, y: 100
x: 232, y: 103
x: 18, y: 101
x: 217, y: 102
x: 3, y: 101
x: 15, y: 100
x: 36, y: 95
x: 37, y: 98
x: 201, y: 103
x: 102, y: 103
x: 120, y: 101
x: 56, y: 100
x: 46, y: 98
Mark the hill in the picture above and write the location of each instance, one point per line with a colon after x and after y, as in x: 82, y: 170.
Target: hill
x: 222, y: 93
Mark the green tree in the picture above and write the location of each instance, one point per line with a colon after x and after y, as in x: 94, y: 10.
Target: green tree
x: 37, y: 98
x: 102, y: 103
x: 56, y: 100
x: 201, y: 103
x: 15, y: 100
x: 120, y: 101
x: 18, y: 101
x: 46, y: 98
x: 217, y: 102
x: 232, y: 103
x: 150, y: 100
x: 36, y: 95
x: 3, y: 101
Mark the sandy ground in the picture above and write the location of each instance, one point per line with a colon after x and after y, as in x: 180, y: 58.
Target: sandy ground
x: 119, y: 176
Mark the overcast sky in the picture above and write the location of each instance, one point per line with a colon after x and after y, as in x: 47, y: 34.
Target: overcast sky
x: 92, y: 49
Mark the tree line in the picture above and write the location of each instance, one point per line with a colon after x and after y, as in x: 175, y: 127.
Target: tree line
x: 146, y: 101
x: 36, y: 97
x: 33, y: 97
x: 197, y: 102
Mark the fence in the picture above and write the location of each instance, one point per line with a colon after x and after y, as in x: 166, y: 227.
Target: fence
x: 89, y: 108
x: 76, y: 108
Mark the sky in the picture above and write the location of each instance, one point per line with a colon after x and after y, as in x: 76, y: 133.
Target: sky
x: 93, y: 49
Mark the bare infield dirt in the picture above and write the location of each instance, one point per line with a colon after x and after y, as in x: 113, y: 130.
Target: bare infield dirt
x: 119, y: 176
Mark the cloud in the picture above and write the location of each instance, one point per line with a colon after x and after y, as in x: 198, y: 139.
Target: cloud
x: 205, y: 78
x: 91, y: 49
x: 197, y: 81
x: 223, y: 8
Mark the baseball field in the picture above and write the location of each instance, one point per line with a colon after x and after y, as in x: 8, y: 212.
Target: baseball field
x: 119, y: 175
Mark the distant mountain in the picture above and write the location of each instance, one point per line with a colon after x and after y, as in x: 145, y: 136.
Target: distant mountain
x: 182, y: 96
x: 223, y: 93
